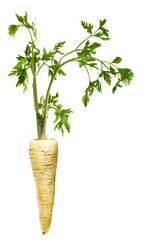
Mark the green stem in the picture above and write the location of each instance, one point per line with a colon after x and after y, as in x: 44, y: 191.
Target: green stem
x: 87, y: 73
x: 34, y: 85
x: 30, y: 35
x: 41, y: 67
x: 83, y: 42
x: 104, y: 64
x: 77, y: 48
x: 68, y: 54
x: 43, y: 132
x: 110, y: 64
x: 92, y: 35
x: 36, y: 104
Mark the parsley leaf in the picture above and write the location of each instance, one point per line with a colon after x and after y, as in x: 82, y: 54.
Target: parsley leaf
x: 106, y: 76
x: 20, y: 69
x: 24, y: 23
x: 58, y: 46
x: 87, y: 26
x: 22, y: 78
x: 102, y: 22
x: 20, y: 18
x: 61, y: 115
x: 89, y: 91
x: 117, y: 60
x: 116, y: 86
x: 126, y: 75
x: 24, y: 20
x: 61, y: 72
x: 46, y: 56
x: 13, y: 29
x: 88, y: 49
x: 102, y: 33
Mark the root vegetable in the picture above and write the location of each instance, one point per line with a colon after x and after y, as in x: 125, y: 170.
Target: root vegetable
x: 43, y: 156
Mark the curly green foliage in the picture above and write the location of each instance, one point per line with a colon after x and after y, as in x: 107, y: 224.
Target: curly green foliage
x: 24, y: 62
x: 23, y: 23
x: 101, y: 32
x: 85, y: 55
x: 108, y: 70
x: 61, y: 115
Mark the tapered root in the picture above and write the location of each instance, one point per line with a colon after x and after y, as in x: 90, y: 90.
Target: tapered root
x: 43, y: 156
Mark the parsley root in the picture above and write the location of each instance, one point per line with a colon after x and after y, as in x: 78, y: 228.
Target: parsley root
x: 43, y: 156
x: 43, y: 151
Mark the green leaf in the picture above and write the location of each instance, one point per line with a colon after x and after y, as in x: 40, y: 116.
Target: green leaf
x: 114, y: 89
x: 126, y: 75
x: 62, y: 115
x: 67, y: 126
x: 53, y: 68
x: 44, y: 56
x: 106, y: 76
x: 94, y: 46
x: 47, y: 56
x: 103, y: 33
x: 102, y: 36
x: 88, y: 61
x: 20, y: 18
x: 22, y: 78
x: 93, y: 65
x: 61, y: 72
x: 23, y: 19
x: 88, y: 49
x: 13, y: 73
x: 34, y: 30
x: 89, y: 91
x: 20, y: 63
x: 24, y: 87
x: 26, y: 17
x: 13, y: 29
x: 99, y: 34
x: 24, y: 23
x: 85, y: 99
x: 50, y: 72
x: 19, y: 57
x: 44, y: 51
x: 53, y: 100
x: 87, y: 26
x: 58, y: 46
x: 117, y: 60
x: 98, y: 85
x: 22, y: 75
x: 90, y: 88
x: 116, y: 86
x: 27, y: 50
x: 112, y: 71
x: 102, y: 22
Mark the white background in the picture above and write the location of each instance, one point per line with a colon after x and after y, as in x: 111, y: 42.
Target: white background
x: 100, y: 174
